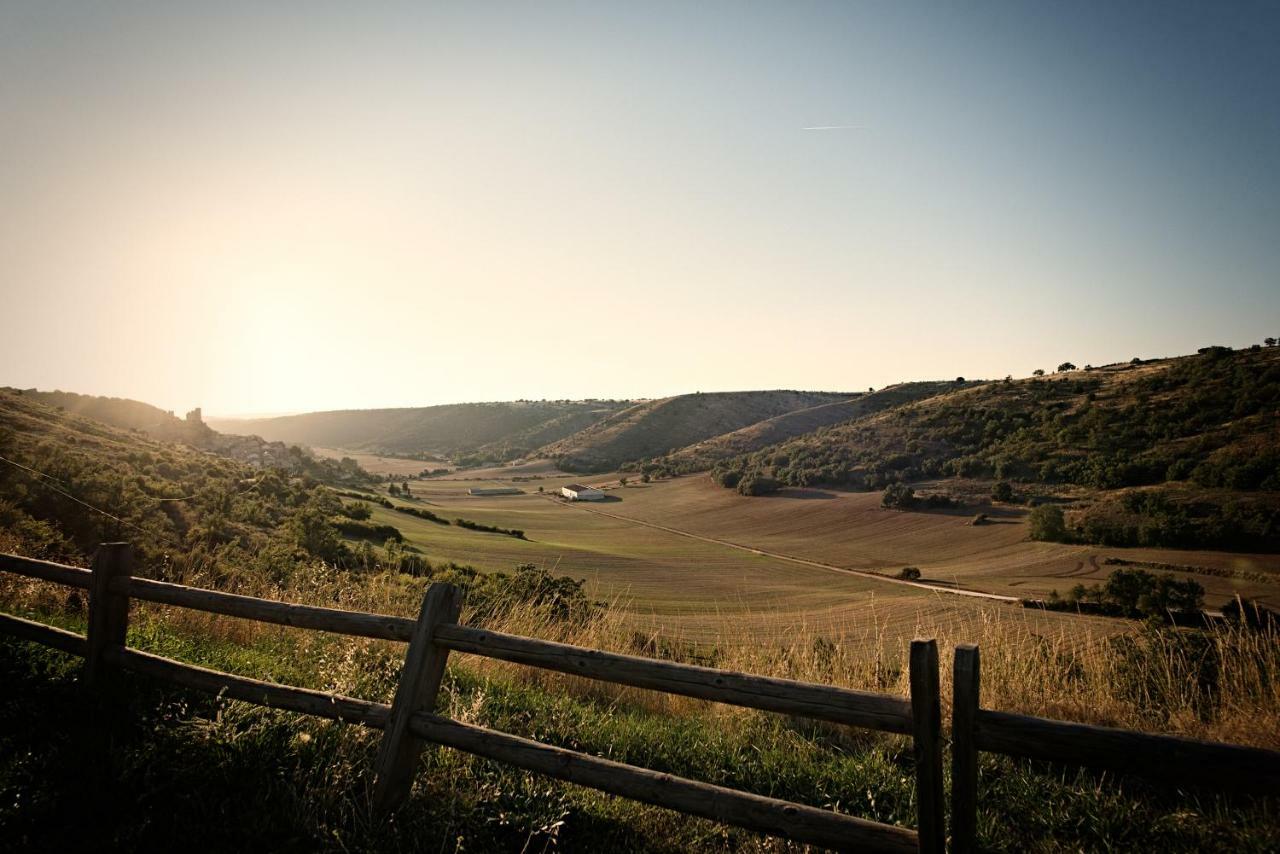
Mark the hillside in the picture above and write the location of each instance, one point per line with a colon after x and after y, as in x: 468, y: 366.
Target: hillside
x: 164, y: 426
x: 175, y: 503
x: 702, y: 455
x: 656, y: 427
x: 504, y: 429
x: 1196, y: 435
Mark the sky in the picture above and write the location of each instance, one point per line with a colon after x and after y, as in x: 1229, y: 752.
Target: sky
x: 275, y: 207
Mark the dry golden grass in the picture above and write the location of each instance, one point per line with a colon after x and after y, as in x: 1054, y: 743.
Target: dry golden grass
x: 1074, y: 669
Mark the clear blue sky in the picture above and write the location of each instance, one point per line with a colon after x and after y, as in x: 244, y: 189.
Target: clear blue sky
x: 308, y: 206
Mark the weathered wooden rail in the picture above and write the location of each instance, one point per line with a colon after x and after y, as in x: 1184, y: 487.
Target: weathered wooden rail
x: 1162, y: 758
x: 410, y: 721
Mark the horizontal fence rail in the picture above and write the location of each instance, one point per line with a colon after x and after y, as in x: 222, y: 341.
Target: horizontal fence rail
x: 756, y: 812
x: 1161, y: 758
x: 410, y: 720
x: 40, y: 633
x: 355, y: 623
x: 802, y: 699
x: 71, y: 576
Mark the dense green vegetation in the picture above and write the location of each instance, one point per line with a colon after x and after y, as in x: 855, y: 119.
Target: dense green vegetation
x: 1206, y: 425
x: 1209, y: 419
x: 1165, y: 517
x: 489, y: 529
x: 1133, y: 593
x: 183, y: 509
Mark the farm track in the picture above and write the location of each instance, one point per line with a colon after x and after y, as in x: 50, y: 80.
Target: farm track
x: 958, y: 591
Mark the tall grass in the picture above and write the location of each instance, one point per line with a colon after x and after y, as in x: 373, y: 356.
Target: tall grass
x: 1219, y: 683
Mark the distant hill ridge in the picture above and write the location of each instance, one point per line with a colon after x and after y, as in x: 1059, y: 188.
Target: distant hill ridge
x: 162, y: 425
x: 657, y: 427
x: 1213, y: 417
x: 704, y: 454
x: 506, y: 429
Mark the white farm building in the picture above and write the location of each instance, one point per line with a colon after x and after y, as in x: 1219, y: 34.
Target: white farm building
x: 578, y: 492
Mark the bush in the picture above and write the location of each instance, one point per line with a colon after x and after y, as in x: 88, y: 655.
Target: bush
x: 758, y: 485
x: 728, y: 478
x: 1002, y: 491
x: 1048, y: 524
x: 909, y: 573
x: 899, y: 496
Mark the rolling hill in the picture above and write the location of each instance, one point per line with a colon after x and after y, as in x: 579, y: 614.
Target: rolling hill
x: 162, y: 425
x: 1179, y: 452
x: 504, y: 430
x: 656, y: 427
x: 704, y: 454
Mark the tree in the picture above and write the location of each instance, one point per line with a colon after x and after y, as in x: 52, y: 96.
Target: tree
x: 644, y: 478
x: 1066, y: 366
x: 1002, y: 491
x: 959, y: 379
x: 1048, y: 523
x: 758, y: 485
x: 1038, y: 372
x: 898, y: 495
x: 1270, y: 342
x: 622, y: 481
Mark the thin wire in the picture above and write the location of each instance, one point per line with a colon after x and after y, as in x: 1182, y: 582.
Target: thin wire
x: 83, y: 503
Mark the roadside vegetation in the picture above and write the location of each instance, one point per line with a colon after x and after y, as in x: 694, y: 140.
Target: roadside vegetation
x: 167, y: 765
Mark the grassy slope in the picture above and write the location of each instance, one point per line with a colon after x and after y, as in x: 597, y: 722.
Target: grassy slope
x: 1131, y: 422
x: 704, y: 454
x: 449, y: 429
x: 161, y: 769
x: 656, y: 427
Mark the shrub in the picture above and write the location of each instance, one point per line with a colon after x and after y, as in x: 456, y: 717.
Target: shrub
x: 728, y: 478
x: 909, y: 573
x: 1002, y: 491
x: 898, y: 495
x: 758, y: 485
x: 1048, y: 523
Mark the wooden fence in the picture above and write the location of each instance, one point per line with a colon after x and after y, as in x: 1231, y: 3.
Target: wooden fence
x: 410, y: 722
x: 1164, y: 758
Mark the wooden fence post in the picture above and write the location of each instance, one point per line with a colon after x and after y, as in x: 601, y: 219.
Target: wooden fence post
x: 419, y: 684
x: 108, y: 610
x: 926, y: 714
x: 965, y: 700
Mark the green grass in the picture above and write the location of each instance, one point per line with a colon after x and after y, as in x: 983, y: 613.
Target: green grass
x: 157, y: 768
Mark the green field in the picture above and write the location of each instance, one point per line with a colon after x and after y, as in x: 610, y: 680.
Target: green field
x: 686, y: 584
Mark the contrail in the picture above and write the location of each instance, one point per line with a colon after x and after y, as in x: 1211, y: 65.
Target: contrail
x: 834, y: 127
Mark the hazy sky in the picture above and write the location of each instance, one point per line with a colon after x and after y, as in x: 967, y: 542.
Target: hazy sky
x: 268, y: 207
